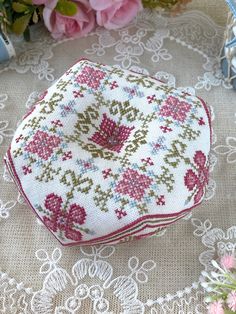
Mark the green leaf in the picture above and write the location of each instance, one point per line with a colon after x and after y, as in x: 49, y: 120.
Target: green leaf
x: 228, y: 312
x: 27, y: 34
x: 19, y: 7
x: 27, y: 1
x: 20, y: 24
x: 35, y: 17
x: 66, y: 7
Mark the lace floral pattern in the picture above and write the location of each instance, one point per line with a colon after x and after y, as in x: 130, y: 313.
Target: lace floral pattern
x: 5, y: 131
x: 137, y: 278
x: 5, y: 208
x: 33, y: 56
x: 217, y: 241
x: 94, y: 264
x: 3, y: 98
x: 145, y: 35
x: 229, y: 150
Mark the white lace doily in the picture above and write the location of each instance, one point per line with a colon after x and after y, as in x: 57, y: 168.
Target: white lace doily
x: 157, y: 275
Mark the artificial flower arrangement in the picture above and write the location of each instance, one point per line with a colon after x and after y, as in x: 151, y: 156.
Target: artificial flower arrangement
x: 75, y: 18
x: 221, y: 286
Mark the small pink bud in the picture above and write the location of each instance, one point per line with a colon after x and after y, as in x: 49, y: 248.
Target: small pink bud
x: 228, y: 262
x: 216, y: 308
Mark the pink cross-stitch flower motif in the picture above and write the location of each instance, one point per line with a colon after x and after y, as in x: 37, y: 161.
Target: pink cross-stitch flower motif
x: 201, y: 121
x: 151, y: 98
x: 19, y: 138
x: 53, y: 202
x: 76, y: 214
x: 90, y: 77
x: 111, y: 135
x: 200, y: 179
x: 133, y: 184
x: 161, y: 200
x: 43, y: 144
x: 57, y: 122
x: 175, y: 108
x: 147, y: 161
x: 77, y: 94
x: 106, y: 173
x: 113, y: 85
x: 67, y: 155
x: 64, y: 220
x: 26, y: 170
x: 120, y: 213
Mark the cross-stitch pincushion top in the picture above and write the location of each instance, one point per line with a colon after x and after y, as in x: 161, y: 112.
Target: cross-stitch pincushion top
x: 107, y: 155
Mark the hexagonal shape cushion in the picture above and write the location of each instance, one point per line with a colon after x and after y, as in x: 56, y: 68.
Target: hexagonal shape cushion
x: 107, y: 155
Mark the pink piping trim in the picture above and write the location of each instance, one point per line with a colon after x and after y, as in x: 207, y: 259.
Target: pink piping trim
x: 18, y: 183
x: 94, y: 242
x: 143, y: 226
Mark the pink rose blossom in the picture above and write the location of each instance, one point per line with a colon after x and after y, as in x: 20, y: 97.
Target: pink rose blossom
x: 231, y: 300
x: 113, y: 14
x: 228, y: 262
x: 71, y: 26
x: 216, y: 308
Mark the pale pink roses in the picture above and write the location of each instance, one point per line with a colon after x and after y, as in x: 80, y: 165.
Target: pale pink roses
x: 71, y: 26
x: 228, y: 262
x: 111, y: 14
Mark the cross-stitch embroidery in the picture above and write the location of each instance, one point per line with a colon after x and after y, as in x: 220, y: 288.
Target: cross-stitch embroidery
x: 111, y: 155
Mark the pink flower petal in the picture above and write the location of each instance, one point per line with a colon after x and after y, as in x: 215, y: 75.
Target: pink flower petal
x: 100, y: 5
x: 50, y: 223
x: 200, y: 159
x: 71, y: 26
x: 77, y: 214
x: 228, y: 262
x: 53, y: 202
x: 73, y: 235
x: 113, y: 14
x: 216, y: 308
x: 190, y: 179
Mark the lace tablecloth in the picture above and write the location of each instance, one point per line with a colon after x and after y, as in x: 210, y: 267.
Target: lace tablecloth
x: 156, y: 275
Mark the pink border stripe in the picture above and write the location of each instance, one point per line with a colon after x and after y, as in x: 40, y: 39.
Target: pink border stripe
x: 133, y: 233
x: 9, y: 163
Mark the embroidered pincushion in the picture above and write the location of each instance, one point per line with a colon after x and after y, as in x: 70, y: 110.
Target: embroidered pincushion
x: 107, y: 155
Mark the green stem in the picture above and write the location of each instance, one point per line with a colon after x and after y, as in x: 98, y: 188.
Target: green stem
x: 225, y: 285
x: 226, y: 311
x: 231, y: 279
